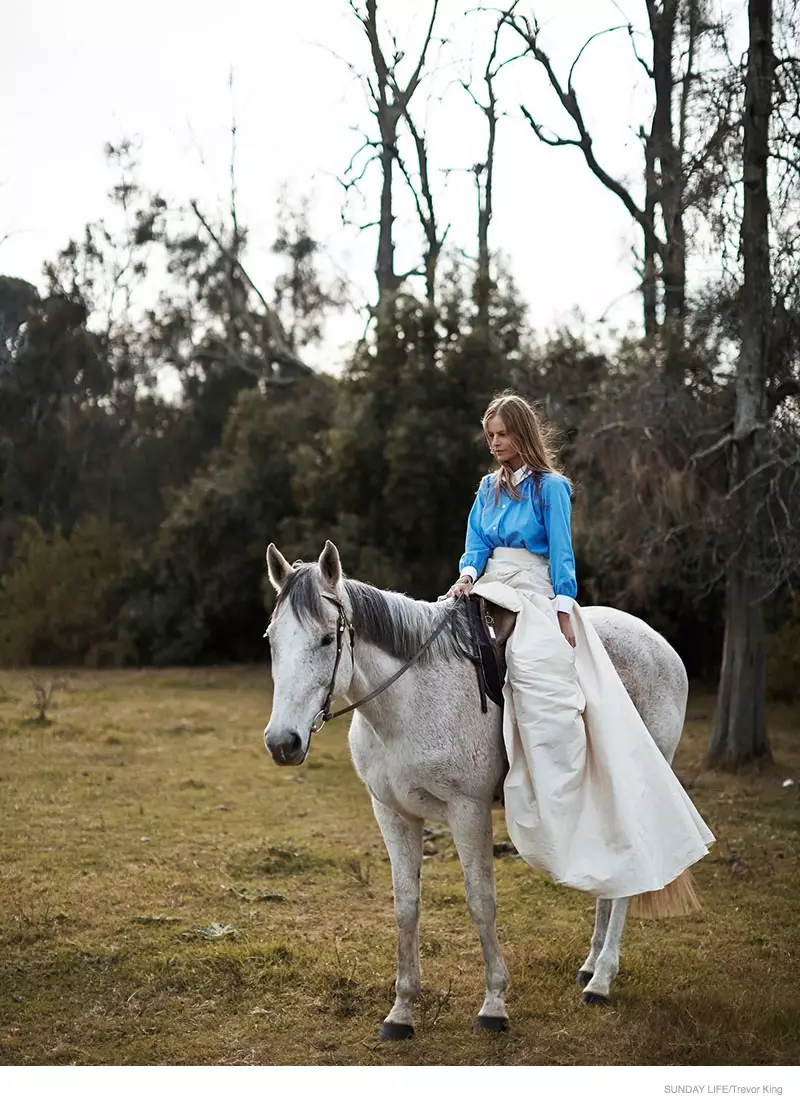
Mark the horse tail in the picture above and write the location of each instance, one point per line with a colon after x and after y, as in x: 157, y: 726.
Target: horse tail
x: 676, y: 900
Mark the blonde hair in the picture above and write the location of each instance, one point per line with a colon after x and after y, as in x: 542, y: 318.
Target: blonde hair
x: 533, y: 439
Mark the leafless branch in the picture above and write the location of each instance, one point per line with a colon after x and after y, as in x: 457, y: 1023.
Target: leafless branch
x: 648, y: 69
x: 414, y: 192
x: 212, y: 353
x: 538, y: 130
x: 353, y: 182
x: 411, y: 87
x: 367, y: 144
x: 609, y: 426
x: 721, y: 443
x: 282, y: 351
x: 411, y: 272
x: 234, y: 216
x: 589, y: 41
x: 687, y: 79
x: 768, y: 464
x: 569, y: 101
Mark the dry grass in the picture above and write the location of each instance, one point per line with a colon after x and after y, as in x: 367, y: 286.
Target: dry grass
x: 171, y: 896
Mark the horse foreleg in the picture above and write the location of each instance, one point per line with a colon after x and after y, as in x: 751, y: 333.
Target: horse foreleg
x: 606, y: 965
x: 471, y: 826
x: 403, y: 838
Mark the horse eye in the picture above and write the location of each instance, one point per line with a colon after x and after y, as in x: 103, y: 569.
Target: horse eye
x: 327, y: 640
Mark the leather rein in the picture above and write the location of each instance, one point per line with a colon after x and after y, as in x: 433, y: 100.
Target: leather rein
x: 343, y: 624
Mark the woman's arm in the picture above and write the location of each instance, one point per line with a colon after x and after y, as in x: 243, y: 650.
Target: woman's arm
x: 476, y: 549
x: 557, y: 514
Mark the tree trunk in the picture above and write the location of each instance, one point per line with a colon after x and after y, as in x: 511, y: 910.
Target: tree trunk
x: 390, y: 104
x: 649, y: 273
x: 670, y: 182
x: 385, y: 275
x: 739, y: 733
x: 483, y: 276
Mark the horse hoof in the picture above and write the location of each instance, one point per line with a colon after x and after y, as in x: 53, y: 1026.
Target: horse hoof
x: 493, y: 1025
x: 395, y: 1031
x: 583, y: 978
x: 592, y: 999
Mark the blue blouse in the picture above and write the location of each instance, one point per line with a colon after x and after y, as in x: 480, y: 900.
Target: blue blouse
x: 527, y: 523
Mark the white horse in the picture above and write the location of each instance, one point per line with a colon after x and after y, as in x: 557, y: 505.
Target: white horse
x: 425, y: 750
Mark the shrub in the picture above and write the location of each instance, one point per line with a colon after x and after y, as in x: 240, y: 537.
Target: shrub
x: 783, y: 659
x: 60, y: 598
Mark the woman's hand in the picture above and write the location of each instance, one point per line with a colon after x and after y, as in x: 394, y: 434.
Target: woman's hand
x: 462, y: 586
x: 566, y: 627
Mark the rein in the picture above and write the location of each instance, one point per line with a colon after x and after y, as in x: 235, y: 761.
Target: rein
x: 325, y: 715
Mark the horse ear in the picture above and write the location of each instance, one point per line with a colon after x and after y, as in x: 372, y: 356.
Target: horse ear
x: 278, y: 567
x: 330, y: 566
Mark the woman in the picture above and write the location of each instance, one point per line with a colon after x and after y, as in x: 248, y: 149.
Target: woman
x: 588, y: 795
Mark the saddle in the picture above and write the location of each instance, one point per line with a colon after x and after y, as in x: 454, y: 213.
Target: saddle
x: 490, y: 627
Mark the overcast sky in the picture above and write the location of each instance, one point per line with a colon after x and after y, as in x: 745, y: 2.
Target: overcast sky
x: 76, y: 75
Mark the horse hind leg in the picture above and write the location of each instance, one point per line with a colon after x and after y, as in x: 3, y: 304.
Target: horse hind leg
x: 601, y: 915
x: 471, y: 826
x: 603, y: 959
x: 403, y: 839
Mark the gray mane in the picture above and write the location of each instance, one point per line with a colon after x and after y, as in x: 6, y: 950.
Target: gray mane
x: 387, y: 619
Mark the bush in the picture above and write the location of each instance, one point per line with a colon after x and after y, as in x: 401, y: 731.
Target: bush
x: 783, y: 659
x: 60, y: 599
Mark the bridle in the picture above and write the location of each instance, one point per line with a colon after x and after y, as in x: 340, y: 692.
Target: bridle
x: 344, y: 624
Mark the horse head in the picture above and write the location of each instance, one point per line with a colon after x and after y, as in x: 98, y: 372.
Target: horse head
x: 310, y: 663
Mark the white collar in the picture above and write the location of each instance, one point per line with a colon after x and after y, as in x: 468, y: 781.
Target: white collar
x: 519, y: 475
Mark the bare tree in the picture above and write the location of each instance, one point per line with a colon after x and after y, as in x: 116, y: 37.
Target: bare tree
x: 422, y: 194
x: 704, y: 479
x: 252, y: 336
x: 670, y: 162
x: 739, y: 732
x: 390, y: 100
x: 483, y: 172
x: 255, y: 340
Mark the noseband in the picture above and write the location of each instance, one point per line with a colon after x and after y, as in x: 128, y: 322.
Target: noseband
x: 343, y: 623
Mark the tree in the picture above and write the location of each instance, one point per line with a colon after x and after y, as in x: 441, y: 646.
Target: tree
x: 739, y: 733
x: 17, y: 297
x: 60, y: 597
x: 483, y: 171
x: 197, y: 593
x: 675, y: 154
x: 390, y: 104
x: 218, y: 331
x: 84, y: 432
x: 302, y: 298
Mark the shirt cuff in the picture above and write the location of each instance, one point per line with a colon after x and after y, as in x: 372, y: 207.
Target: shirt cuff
x: 565, y: 603
x: 471, y: 572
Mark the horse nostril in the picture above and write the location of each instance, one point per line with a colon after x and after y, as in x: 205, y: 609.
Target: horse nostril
x: 285, y: 747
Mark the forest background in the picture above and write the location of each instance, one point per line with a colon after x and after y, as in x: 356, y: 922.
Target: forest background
x: 163, y: 416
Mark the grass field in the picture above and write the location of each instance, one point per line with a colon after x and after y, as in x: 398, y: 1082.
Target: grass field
x: 170, y: 896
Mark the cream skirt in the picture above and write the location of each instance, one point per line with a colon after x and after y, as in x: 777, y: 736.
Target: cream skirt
x: 589, y: 797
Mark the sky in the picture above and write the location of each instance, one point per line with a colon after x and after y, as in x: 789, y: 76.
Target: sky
x: 74, y: 76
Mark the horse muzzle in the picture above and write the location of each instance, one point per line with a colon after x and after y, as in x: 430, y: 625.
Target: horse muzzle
x: 286, y: 747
